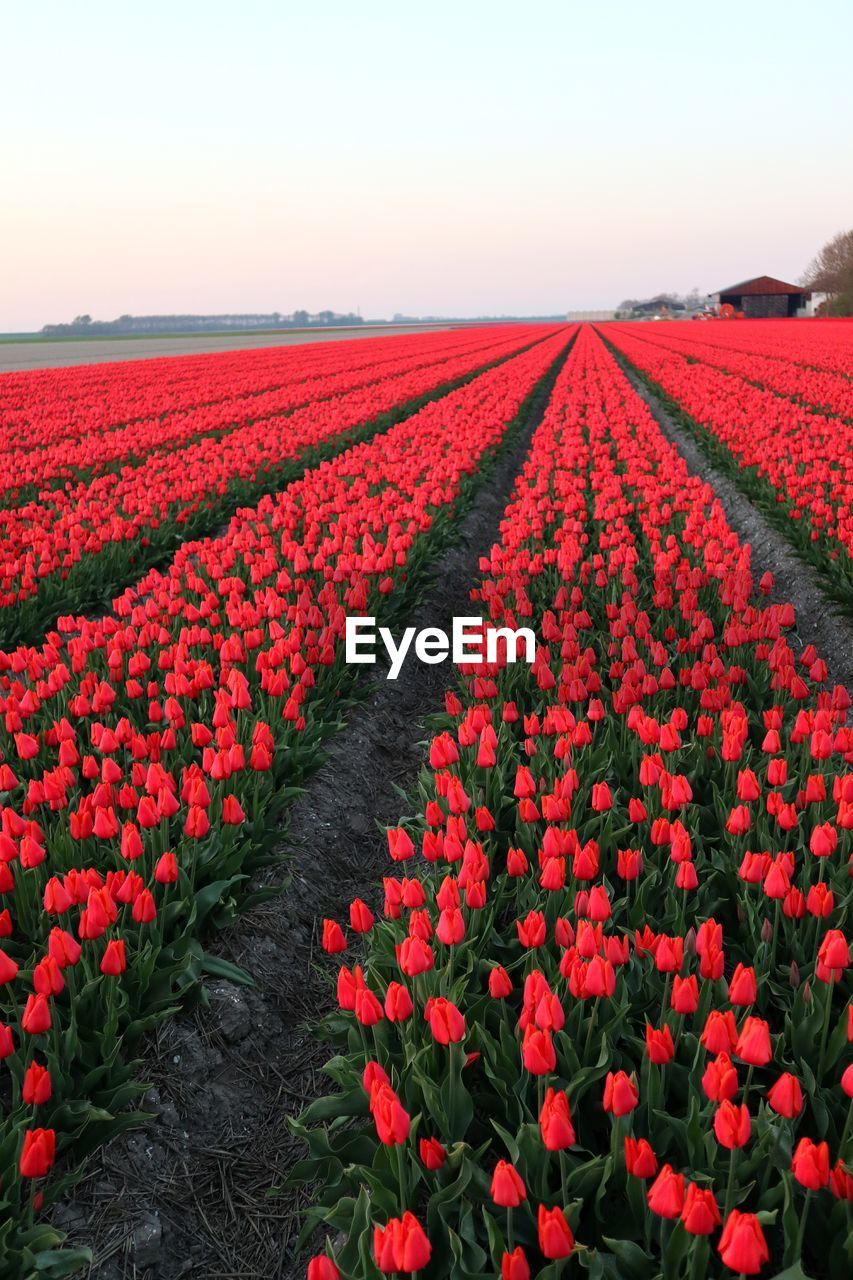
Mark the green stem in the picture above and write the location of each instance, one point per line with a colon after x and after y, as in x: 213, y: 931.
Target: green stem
x: 776, y: 927
x: 699, y: 1262
x: 665, y: 1001
x: 825, y: 1032
x: 592, y: 1021
x: 730, y: 1189
x: 798, y: 1248
x: 401, y: 1173
x: 615, y: 1145
x: 846, y: 1130
x: 454, y: 1058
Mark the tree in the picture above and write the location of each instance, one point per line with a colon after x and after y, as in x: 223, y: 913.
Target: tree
x: 831, y: 272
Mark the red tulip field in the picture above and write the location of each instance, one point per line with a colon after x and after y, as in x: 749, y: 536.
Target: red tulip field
x: 593, y: 1014
x: 84, y: 508
x: 786, y: 426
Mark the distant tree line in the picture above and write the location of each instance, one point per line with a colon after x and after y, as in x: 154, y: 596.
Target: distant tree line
x: 85, y: 326
x: 831, y: 272
x: 400, y: 318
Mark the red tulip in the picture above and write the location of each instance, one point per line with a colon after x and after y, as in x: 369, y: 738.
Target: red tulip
x: 507, y: 1188
x: 414, y: 957
x: 321, y: 1267
x: 555, y: 1121
x: 333, y: 937
x: 841, y: 1182
x: 731, y: 1124
x: 640, y: 1160
x: 786, y: 1096
x: 131, y: 842
x: 847, y: 1080
x: 810, y: 1164
x: 398, y: 1003
x: 8, y: 968
x: 445, y: 1021
x: 659, y: 1044
x: 114, y: 960
x: 38, y: 1152
x: 36, y: 1088
x: 537, y: 1051
x: 400, y: 845
x: 232, y: 811
x: 720, y: 1080
x: 742, y: 1245
x: 700, y: 1213
x: 36, y: 1015
x: 367, y: 1007
x: 500, y: 983
x: 742, y: 988
x: 433, y: 1154
x: 360, y: 916
x: 719, y: 1034
x: 514, y: 1265
x: 166, y: 870
x: 666, y: 1194
x: 401, y: 1246
x: 621, y: 1094
x: 753, y: 1045
x: 555, y: 1234
x: 390, y: 1117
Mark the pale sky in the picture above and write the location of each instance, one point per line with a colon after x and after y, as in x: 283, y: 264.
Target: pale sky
x: 475, y: 157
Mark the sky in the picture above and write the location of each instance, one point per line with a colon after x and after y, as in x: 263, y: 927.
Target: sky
x: 459, y: 158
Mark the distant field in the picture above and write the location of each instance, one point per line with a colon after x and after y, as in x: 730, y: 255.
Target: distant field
x: 603, y: 896
x: 39, y: 353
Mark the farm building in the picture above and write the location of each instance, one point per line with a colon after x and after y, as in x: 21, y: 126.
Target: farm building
x: 763, y: 297
x: 660, y: 305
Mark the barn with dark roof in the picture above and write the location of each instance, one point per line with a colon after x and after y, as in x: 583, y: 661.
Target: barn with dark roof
x: 763, y: 297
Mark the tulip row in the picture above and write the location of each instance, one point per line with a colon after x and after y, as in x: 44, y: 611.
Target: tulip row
x: 599, y: 1017
x: 46, y: 406
x: 823, y: 346
x: 78, y: 546
x: 40, y: 462
x: 795, y: 462
x: 145, y: 757
x: 747, y: 350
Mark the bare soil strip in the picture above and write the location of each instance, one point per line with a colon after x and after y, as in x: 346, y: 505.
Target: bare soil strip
x: 818, y: 619
x: 186, y: 1195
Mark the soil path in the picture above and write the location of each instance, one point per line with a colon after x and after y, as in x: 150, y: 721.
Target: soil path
x: 186, y: 1195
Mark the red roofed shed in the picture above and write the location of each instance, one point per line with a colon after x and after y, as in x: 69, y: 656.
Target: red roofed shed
x: 763, y: 297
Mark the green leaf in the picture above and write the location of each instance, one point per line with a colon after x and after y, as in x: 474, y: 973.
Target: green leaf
x: 61, y: 1262
x: 633, y: 1260
x: 352, y: 1103
x: 211, y: 894
x: 791, y: 1273
x: 219, y: 968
